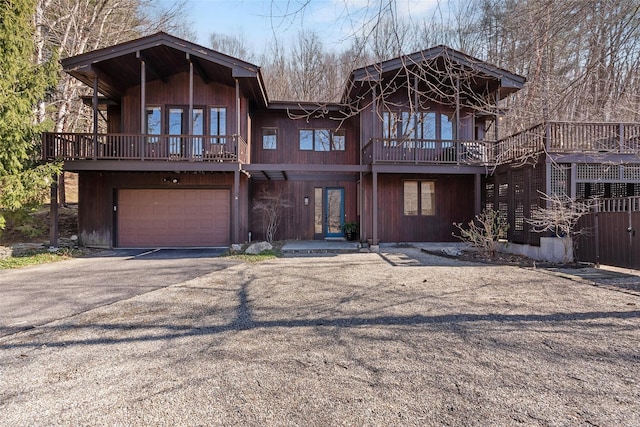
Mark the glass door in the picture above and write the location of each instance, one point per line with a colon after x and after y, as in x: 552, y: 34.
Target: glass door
x: 198, y: 129
x: 176, y: 127
x: 334, y: 212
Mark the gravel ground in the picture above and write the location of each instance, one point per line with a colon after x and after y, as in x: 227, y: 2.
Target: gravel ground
x: 398, y: 338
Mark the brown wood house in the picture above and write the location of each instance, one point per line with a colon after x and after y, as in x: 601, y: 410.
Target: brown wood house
x: 185, y: 143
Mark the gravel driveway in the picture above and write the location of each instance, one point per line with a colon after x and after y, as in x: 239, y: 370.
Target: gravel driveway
x: 399, y: 338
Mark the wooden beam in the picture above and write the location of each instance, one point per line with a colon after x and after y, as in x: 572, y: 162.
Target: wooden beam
x: 201, y: 72
x: 155, y: 70
x: 143, y: 97
x: 477, y: 196
x: 236, y: 206
x: 375, y: 209
x: 190, y: 119
x: 95, y: 117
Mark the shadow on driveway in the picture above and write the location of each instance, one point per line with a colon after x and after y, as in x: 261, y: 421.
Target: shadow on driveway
x: 37, y: 295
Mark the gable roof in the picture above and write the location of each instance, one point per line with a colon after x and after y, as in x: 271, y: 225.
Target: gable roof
x: 118, y: 66
x: 484, y: 72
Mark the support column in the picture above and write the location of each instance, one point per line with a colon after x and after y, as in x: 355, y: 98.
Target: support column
x: 53, y: 213
x: 375, y: 208
x: 190, y: 120
x: 95, y: 117
x: 573, y: 190
x: 235, y: 209
x: 497, y: 116
x: 477, y: 202
x: 238, y: 120
x: 143, y: 96
x: 143, y: 103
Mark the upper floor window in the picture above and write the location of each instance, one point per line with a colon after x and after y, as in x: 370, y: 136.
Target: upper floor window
x: 269, y: 138
x: 429, y: 125
x: 154, y: 122
x: 218, y: 124
x: 322, y: 140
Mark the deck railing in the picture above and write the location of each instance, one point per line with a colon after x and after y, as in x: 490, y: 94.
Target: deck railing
x: 418, y: 151
x: 570, y: 137
x: 87, y: 146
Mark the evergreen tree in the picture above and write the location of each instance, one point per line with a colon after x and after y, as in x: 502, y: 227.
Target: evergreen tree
x: 22, y: 84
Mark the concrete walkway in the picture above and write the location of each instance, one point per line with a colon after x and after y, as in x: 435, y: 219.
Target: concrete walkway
x: 315, y: 246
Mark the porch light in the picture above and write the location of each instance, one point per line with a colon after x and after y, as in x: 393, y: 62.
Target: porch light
x: 306, y: 200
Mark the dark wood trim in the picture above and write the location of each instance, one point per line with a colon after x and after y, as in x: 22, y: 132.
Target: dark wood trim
x: 435, y: 169
x: 268, y: 167
x: 148, y: 166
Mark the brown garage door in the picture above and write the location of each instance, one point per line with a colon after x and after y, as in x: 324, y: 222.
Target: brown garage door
x: 152, y: 218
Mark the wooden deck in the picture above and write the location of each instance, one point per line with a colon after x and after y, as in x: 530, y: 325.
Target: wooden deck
x: 426, y: 151
x: 86, y: 146
x: 570, y: 137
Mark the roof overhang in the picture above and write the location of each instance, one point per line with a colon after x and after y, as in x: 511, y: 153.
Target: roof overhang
x: 119, y: 67
x: 436, y: 63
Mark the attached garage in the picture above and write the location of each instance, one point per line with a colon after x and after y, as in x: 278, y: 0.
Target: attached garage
x: 181, y: 217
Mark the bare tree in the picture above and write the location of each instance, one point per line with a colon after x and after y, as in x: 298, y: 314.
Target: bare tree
x: 236, y: 46
x: 270, y: 206
x: 560, y: 218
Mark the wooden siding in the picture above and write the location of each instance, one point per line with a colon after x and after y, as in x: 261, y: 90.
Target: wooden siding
x: 97, y: 197
x: 454, y: 202
x: 298, y: 220
x: 288, y: 145
x: 175, y: 92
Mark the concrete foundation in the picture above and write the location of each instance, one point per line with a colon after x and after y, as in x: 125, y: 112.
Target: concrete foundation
x: 551, y: 249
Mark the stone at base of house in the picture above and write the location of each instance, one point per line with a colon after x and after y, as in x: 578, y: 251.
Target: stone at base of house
x: 5, y: 252
x: 259, y: 247
x: 551, y: 249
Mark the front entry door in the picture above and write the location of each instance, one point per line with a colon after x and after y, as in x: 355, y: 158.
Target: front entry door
x: 334, y: 212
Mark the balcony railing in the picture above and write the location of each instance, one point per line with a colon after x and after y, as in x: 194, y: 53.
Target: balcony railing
x: 87, y: 146
x: 570, y: 137
x: 421, y: 151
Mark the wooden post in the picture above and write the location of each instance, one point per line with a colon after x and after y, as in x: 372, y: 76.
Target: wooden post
x: 53, y: 213
x: 236, y: 206
x: 95, y: 117
x: 238, y: 121
x: 375, y: 208
x: 143, y: 103
x: 477, y: 205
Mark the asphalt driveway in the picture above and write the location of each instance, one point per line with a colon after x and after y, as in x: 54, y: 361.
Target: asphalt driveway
x: 397, y: 338
x: 37, y: 295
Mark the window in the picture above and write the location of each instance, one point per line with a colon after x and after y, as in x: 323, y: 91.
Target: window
x: 322, y: 140
x: 419, y: 198
x: 421, y: 125
x: 218, y: 124
x: 269, y: 138
x: 339, y: 141
x: 154, y: 123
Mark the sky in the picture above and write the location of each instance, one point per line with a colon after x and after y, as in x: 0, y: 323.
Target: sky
x: 258, y: 21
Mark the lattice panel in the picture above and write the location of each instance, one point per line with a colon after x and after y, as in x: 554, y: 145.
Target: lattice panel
x: 489, y: 195
x: 631, y: 173
x: 559, y: 180
x: 597, y: 172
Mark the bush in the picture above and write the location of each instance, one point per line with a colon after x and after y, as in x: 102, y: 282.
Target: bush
x: 484, y: 232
